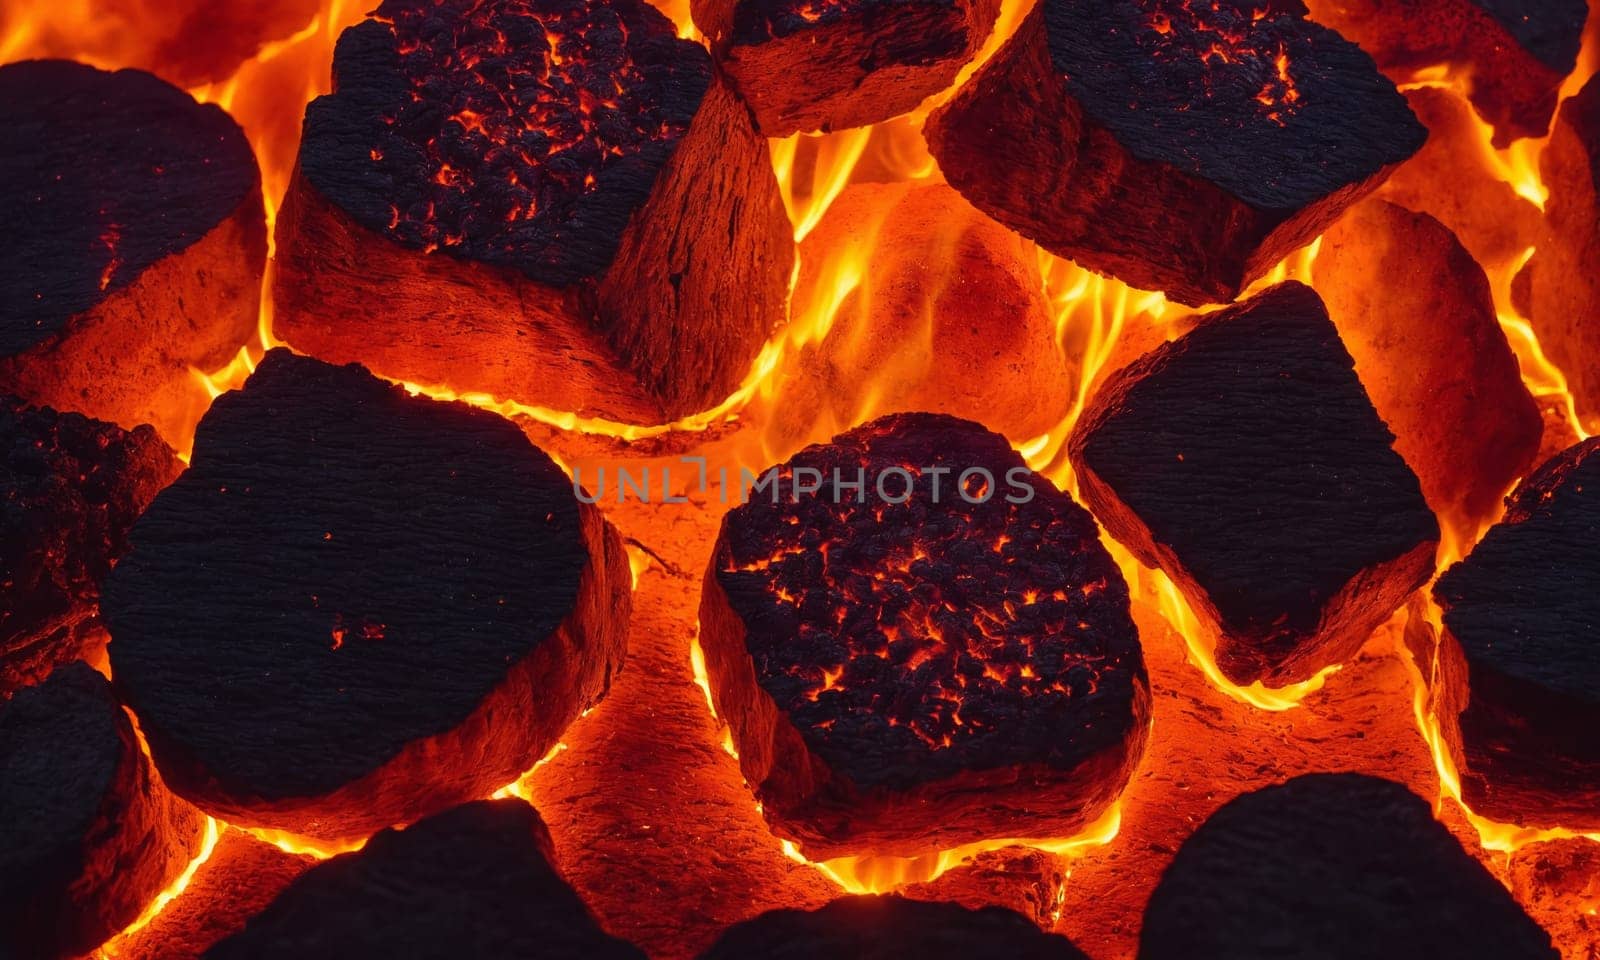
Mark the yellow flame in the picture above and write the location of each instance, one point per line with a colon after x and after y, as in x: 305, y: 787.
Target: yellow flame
x: 1202, y: 654
x: 878, y: 874
x: 302, y: 846
x: 697, y: 665
x: 208, y: 843
x: 1539, y: 374
x: 1518, y: 164
x: 1092, y: 313
x: 638, y: 562
x: 831, y: 158
x: 1500, y: 837
x: 522, y: 787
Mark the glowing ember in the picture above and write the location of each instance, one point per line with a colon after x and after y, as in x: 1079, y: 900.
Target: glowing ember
x: 492, y: 130
x: 71, y: 489
x: 117, y: 194
x: 627, y: 784
x: 837, y: 64
x: 1317, y: 860
x: 1246, y: 461
x: 477, y: 880
x: 920, y: 640
x: 754, y: 20
x: 1219, y: 33
x: 1175, y: 147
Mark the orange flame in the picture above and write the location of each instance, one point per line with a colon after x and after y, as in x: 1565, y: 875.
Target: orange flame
x: 522, y: 787
x: 1092, y: 313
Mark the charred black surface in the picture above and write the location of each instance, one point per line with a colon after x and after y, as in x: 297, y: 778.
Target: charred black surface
x: 559, y: 202
x: 523, y: 134
x: 1551, y: 30
x: 972, y: 635
x: 1246, y: 460
x: 1332, y: 865
x: 912, y: 645
x: 347, y: 583
x: 1557, y: 291
x: 70, y: 490
x: 1275, y: 109
x: 830, y: 65
x: 882, y: 928
x: 1184, y: 147
x: 86, y: 839
x: 1523, y: 607
x: 101, y: 175
x: 475, y: 883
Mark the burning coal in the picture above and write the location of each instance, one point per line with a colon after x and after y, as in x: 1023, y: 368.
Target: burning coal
x: 1288, y: 295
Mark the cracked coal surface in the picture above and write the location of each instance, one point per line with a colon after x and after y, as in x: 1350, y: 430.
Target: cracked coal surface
x: 522, y: 133
x: 948, y: 634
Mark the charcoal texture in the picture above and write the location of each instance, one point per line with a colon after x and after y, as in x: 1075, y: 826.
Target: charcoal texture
x: 803, y: 65
x: 473, y: 883
x: 1332, y: 867
x: 559, y: 202
x: 888, y: 928
x: 1245, y: 459
x: 352, y: 589
x: 1523, y: 609
x: 134, y: 245
x: 1551, y: 30
x: 109, y: 172
x: 879, y: 661
x: 70, y: 490
x: 416, y: 144
x: 86, y: 837
x: 1178, y: 147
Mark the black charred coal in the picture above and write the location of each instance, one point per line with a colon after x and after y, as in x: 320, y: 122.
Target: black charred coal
x: 445, y: 131
x: 1245, y: 460
x: 1177, y: 146
x: 87, y: 836
x: 359, y: 607
x: 807, y: 65
x: 135, y: 237
x: 882, y: 928
x: 928, y: 673
x: 1332, y: 865
x: 70, y: 489
x: 477, y: 882
x: 1550, y: 31
x: 1523, y: 609
x: 595, y: 195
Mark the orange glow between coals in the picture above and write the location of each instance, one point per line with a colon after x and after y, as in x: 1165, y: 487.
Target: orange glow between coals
x: 1092, y: 316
